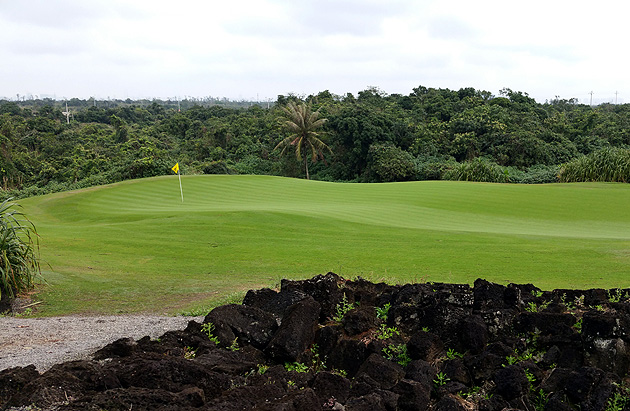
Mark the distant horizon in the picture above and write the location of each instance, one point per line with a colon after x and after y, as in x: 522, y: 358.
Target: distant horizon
x: 257, y: 99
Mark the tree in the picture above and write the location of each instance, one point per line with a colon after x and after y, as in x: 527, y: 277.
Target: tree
x: 389, y: 163
x: 303, y: 124
x: 121, y: 128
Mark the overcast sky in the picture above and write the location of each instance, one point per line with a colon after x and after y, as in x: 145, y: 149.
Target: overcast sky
x: 258, y: 49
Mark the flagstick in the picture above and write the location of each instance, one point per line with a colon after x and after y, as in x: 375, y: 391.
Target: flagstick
x: 180, y: 185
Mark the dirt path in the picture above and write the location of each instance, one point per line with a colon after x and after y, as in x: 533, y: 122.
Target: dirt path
x: 48, y: 341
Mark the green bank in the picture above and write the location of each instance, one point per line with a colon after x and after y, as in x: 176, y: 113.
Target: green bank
x: 136, y: 247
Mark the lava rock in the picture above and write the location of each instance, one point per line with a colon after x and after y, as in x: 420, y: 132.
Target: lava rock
x: 323, y: 288
x: 413, y: 395
x: 13, y: 380
x: 425, y: 346
x: 359, y: 320
x: 272, y: 301
x: 385, y: 373
x: 328, y: 385
x: 473, y: 335
x: 297, y: 331
x: 511, y: 382
x: 249, y: 324
x: 123, y: 347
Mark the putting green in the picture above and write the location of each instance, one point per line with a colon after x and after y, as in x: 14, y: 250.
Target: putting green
x: 134, y: 246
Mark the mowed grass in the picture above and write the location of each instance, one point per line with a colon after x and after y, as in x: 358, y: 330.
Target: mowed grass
x: 135, y: 247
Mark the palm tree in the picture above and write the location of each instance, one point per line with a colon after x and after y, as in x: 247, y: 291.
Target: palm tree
x: 303, y: 123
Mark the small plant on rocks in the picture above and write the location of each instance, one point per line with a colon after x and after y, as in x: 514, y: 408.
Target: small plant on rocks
x: 534, y: 308
x: 563, y: 300
x: 540, y: 400
x: 615, y: 296
x: 208, y: 328
x: 234, y: 346
x: 296, y: 366
x: 381, y: 312
x: 317, y: 364
x: 451, y: 354
x: 262, y: 368
x: 619, y: 400
x: 440, y: 379
x: 385, y: 332
x: 189, y: 353
x: 397, y: 353
x: 342, y: 373
x: 342, y: 308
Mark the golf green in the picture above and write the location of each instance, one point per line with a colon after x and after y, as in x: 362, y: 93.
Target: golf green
x: 136, y: 247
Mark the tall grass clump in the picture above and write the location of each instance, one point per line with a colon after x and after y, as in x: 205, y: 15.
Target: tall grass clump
x: 19, y: 251
x: 478, y: 170
x: 604, y: 165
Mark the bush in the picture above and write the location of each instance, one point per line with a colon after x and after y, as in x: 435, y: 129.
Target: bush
x: 607, y: 164
x: 388, y: 163
x: 19, y: 260
x: 218, y: 167
x: 433, y: 167
x: 537, y: 174
x: 478, y: 170
x: 254, y: 165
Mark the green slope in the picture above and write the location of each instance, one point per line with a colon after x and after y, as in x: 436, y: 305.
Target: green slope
x: 135, y: 246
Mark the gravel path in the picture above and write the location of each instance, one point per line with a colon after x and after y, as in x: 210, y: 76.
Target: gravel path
x: 48, y: 341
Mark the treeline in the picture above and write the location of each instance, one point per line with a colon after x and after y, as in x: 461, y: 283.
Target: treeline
x: 431, y: 133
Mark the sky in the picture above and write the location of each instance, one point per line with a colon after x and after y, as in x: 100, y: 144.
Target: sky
x: 259, y: 49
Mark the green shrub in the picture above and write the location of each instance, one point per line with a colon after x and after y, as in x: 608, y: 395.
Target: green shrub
x: 218, y: 167
x: 607, y: 164
x: 537, y: 174
x: 19, y: 251
x: 252, y: 164
x: 388, y: 163
x: 433, y: 167
x: 478, y: 170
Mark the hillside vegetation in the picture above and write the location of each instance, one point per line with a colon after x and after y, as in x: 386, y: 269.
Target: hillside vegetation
x: 134, y: 246
x: 429, y: 134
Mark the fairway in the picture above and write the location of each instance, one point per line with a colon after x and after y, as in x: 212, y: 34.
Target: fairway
x: 135, y: 247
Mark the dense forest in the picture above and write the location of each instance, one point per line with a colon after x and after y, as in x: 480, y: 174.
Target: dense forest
x: 431, y: 133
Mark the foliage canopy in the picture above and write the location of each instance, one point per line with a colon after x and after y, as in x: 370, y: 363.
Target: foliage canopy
x: 371, y: 137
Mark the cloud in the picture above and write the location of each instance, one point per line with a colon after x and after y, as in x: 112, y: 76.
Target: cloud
x: 350, y: 17
x: 50, y: 14
x: 449, y: 28
x: 271, y: 47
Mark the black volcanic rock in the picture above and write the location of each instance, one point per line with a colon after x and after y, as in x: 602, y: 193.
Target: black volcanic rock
x: 297, y: 331
x: 439, y: 347
x: 249, y: 324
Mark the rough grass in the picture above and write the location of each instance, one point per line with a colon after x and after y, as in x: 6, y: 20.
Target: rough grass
x: 134, y: 247
x: 607, y: 164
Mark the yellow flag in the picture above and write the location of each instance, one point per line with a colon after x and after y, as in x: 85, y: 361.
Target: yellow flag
x: 176, y: 168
